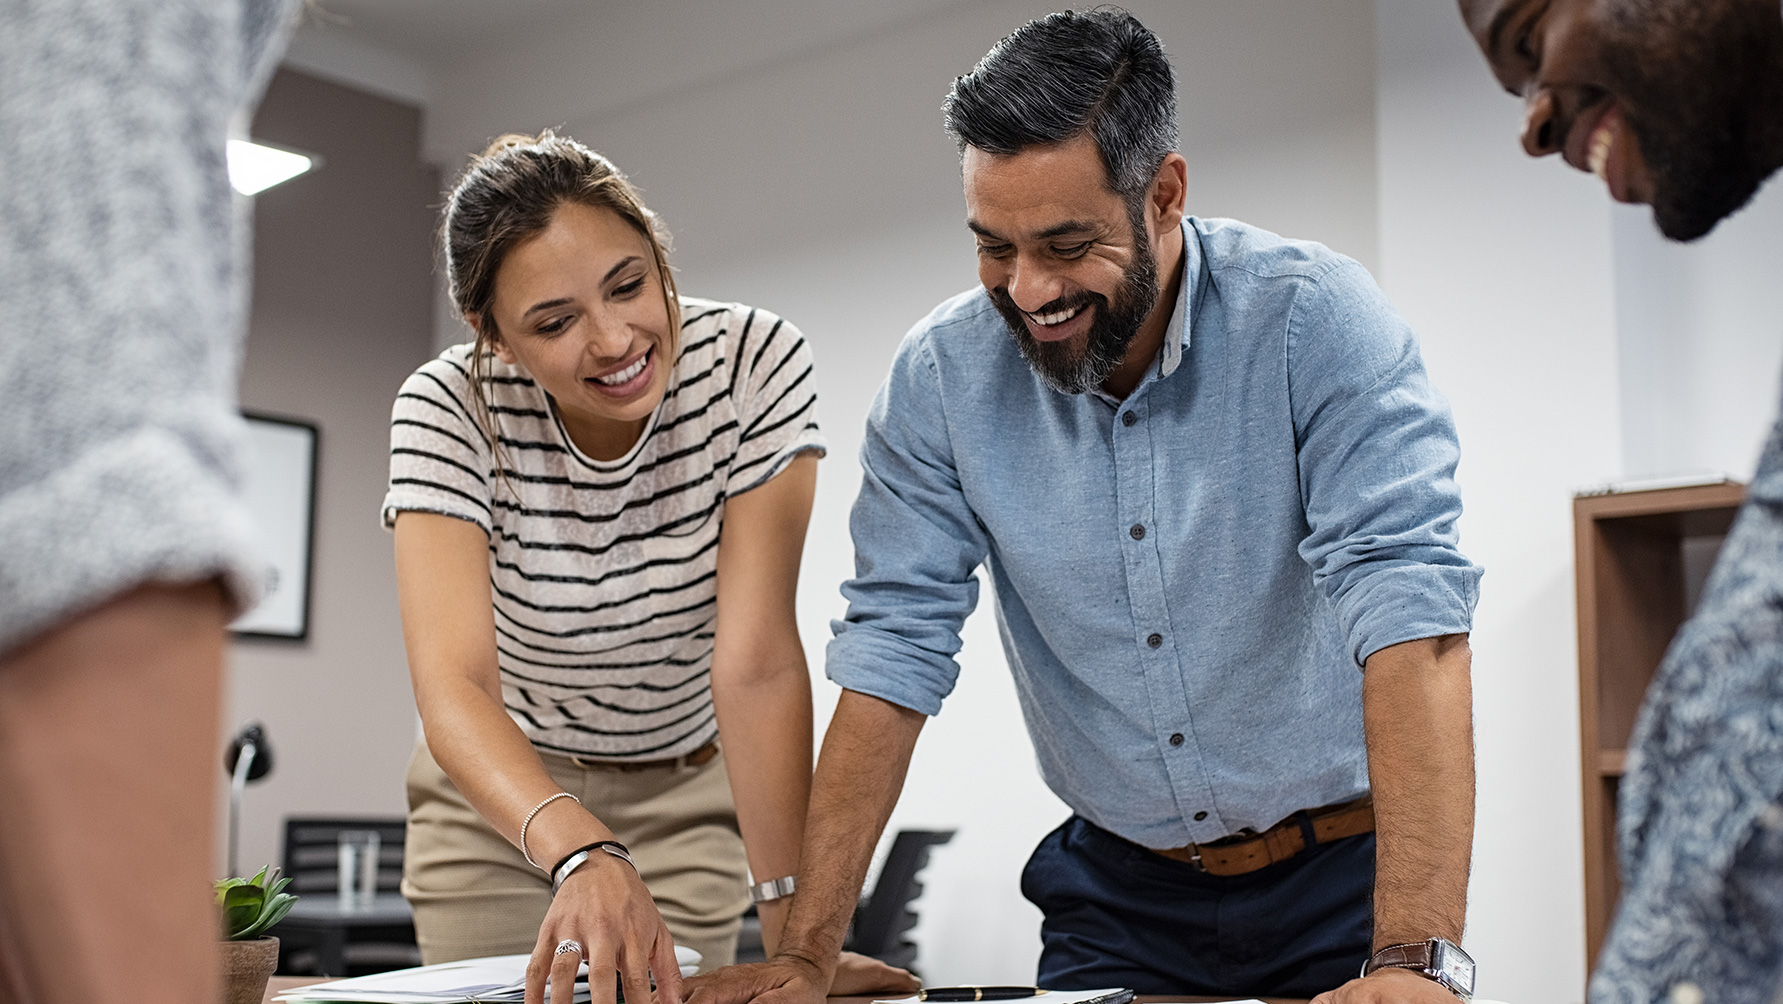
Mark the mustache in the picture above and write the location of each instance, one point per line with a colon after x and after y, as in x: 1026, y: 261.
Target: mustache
x: 1070, y: 301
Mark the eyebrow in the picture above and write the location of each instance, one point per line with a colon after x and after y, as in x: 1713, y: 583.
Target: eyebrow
x: 545, y: 305
x: 562, y: 300
x: 1056, y: 230
x: 623, y: 262
x: 1507, y: 12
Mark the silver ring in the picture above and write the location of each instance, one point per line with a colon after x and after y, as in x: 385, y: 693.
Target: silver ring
x: 568, y: 945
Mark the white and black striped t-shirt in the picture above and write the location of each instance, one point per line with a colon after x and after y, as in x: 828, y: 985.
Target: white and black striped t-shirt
x: 604, y: 574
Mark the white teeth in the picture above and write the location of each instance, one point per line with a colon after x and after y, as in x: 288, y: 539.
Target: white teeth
x: 1048, y: 320
x: 626, y: 374
x: 1597, y: 154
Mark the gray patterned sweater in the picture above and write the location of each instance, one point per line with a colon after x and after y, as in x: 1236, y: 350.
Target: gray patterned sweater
x: 1701, y: 824
x: 122, y: 267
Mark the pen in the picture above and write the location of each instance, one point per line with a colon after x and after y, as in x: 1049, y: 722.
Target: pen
x: 977, y: 993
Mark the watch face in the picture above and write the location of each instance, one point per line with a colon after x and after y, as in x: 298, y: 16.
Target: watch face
x: 1454, y: 965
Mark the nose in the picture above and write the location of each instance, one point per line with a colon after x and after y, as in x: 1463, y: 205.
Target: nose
x: 1032, y: 286
x: 1541, y: 132
x: 608, y: 338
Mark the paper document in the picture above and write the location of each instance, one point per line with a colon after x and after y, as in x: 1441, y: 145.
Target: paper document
x: 497, y: 979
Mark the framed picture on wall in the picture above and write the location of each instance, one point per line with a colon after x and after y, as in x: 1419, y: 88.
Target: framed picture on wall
x: 281, y: 497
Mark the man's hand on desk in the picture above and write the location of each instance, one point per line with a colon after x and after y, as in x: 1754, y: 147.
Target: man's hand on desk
x: 789, y: 979
x: 1389, y: 986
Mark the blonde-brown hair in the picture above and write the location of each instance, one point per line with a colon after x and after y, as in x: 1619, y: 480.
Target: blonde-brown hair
x: 508, y: 195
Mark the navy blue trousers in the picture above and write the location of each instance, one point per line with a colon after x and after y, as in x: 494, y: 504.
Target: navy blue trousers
x: 1118, y: 915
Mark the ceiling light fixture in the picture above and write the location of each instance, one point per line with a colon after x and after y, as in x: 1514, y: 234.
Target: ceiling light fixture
x: 255, y: 167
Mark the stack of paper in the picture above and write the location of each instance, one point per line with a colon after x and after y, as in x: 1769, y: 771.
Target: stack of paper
x: 498, y: 979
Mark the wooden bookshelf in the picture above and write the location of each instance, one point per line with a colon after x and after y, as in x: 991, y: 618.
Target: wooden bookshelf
x: 1640, y: 561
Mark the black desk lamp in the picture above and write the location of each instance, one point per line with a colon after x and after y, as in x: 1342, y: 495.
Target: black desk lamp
x: 249, y: 759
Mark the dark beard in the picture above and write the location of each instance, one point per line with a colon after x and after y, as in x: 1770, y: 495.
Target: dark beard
x: 1703, y: 86
x: 1112, y: 330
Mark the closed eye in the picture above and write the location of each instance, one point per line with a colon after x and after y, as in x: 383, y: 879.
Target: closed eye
x: 629, y: 288
x: 1073, y: 250
x: 1525, y: 49
x: 993, y: 250
x: 555, y: 325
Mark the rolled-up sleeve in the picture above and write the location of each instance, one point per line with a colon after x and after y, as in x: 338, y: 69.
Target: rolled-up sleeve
x: 917, y: 545
x: 1377, y: 451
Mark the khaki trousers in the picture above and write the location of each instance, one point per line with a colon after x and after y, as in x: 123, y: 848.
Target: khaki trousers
x: 474, y: 894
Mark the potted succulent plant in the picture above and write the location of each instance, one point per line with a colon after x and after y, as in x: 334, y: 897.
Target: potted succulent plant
x: 250, y: 906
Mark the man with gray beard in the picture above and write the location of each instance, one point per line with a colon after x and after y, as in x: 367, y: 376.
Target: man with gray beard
x: 1214, y: 490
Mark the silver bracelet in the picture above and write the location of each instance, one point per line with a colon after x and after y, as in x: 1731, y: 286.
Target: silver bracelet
x: 779, y: 888
x: 580, y: 858
x: 524, y: 823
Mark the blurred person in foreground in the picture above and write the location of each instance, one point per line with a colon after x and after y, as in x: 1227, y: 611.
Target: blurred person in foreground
x: 1214, y: 488
x: 124, y: 546
x: 1678, y: 104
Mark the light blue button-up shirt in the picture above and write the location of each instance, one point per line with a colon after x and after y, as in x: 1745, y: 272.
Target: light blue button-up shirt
x: 1185, y: 595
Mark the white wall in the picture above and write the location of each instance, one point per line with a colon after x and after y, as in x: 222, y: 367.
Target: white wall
x: 1701, y: 340
x: 1503, y: 264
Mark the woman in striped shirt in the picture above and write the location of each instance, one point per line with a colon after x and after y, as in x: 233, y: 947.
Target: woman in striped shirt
x: 599, y: 508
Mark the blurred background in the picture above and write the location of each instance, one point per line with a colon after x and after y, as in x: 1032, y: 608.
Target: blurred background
x: 795, y: 149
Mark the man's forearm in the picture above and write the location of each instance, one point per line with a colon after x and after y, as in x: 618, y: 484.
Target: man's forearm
x: 1417, y: 710
x: 860, y: 773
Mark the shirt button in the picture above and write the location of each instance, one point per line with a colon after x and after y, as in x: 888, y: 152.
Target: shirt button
x: 1128, y: 418
x: 1154, y: 639
x: 1137, y: 531
x: 1199, y: 816
x: 1176, y: 740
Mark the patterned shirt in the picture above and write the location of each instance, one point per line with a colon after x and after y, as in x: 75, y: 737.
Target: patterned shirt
x: 604, y: 573
x: 1701, y: 821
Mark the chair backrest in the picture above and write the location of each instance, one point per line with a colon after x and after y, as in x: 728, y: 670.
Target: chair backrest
x: 884, y: 918
x: 312, y: 851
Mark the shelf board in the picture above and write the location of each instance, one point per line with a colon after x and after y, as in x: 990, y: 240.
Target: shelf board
x: 1611, y: 763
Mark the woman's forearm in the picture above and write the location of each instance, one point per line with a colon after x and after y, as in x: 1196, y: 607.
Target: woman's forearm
x: 442, y: 581
x: 497, y: 769
x: 766, y: 723
x: 761, y: 689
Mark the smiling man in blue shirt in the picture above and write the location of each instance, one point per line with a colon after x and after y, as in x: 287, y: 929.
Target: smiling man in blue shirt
x: 1214, y: 490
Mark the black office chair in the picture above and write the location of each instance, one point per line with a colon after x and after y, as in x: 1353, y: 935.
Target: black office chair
x: 312, y: 852
x: 311, y: 859
x: 881, y: 918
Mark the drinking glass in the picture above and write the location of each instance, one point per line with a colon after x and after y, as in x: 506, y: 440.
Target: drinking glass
x: 358, y: 874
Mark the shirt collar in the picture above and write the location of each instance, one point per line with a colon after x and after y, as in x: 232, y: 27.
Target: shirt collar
x: 1176, y: 333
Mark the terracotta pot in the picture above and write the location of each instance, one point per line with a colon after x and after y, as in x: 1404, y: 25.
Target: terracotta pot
x: 247, y: 965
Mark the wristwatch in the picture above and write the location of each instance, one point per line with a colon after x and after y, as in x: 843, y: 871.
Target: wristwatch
x: 1438, y: 959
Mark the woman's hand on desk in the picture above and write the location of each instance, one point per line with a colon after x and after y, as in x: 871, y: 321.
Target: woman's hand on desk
x: 604, y: 907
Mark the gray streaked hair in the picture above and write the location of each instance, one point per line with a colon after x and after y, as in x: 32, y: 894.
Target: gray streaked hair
x: 1057, y: 77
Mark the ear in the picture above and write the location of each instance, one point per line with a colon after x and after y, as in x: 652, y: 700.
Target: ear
x: 1169, y: 194
x: 497, y: 347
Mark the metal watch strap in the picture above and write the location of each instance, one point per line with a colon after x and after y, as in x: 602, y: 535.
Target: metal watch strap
x: 762, y: 892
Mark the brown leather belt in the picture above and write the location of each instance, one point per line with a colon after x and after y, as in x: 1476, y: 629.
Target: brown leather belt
x: 1240, y: 855
x: 703, y: 755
